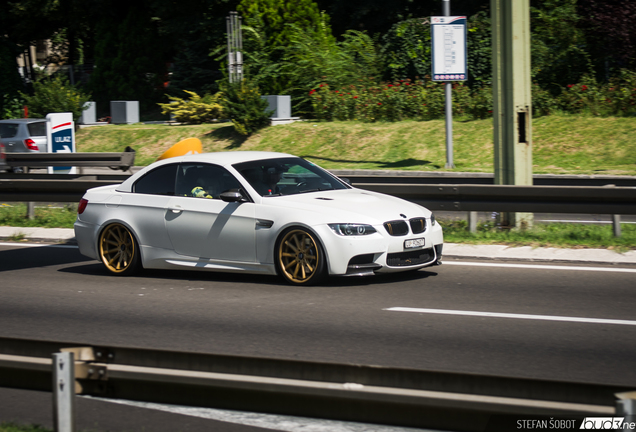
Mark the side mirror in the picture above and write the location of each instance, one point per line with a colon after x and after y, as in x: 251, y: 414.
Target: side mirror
x: 232, y: 196
x: 346, y: 180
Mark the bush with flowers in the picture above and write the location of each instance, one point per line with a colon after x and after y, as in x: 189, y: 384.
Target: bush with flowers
x: 371, y: 101
x: 616, y: 98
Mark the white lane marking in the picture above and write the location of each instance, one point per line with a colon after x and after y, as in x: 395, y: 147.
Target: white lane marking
x: 514, y: 316
x: 542, y: 267
x: 581, y: 221
x: 39, y: 245
x: 267, y: 421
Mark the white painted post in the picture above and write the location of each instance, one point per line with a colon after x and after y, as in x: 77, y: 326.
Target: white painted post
x: 64, y: 392
x: 616, y: 223
x: 472, y: 221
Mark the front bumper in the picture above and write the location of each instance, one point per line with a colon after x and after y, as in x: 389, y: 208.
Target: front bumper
x: 380, y: 252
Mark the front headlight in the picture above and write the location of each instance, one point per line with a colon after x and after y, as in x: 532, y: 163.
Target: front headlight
x: 433, y: 222
x: 349, y: 229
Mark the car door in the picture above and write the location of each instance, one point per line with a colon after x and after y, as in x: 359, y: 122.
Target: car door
x: 145, y: 207
x: 203, y: 226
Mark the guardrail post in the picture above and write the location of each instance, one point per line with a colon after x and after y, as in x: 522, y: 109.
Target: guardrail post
x: 64, y: 392
x: 30, y: 210
x: 626, y: 406
x: 616, y: 224
x: 472, y: 221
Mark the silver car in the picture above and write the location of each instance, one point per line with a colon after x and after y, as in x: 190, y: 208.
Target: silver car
x: 23, y: 135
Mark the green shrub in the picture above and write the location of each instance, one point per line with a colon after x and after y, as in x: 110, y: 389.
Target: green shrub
x: 620, y: 96
x: 243, y: 104
x: 480, y: 103
x: 543, y: 102
x: 195, y: 110
x: 370, y: 101
x: 12, y: 107
x: 55, y: 95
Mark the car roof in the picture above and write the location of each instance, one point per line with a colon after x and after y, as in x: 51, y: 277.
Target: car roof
x: 231, y: 157
x: 219, y: 158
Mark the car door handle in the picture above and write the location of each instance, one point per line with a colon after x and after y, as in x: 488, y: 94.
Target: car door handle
x: 175, y: 209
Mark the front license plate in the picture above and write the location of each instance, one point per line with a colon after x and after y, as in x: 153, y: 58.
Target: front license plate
x: 414, y: 243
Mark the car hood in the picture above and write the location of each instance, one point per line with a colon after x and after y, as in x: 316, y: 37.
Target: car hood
x: 352, y: 205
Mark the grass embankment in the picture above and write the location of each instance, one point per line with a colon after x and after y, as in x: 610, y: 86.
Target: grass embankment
x: 12, y: 427
x: 561, y: 145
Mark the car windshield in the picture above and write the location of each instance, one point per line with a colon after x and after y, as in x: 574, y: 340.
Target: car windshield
x: 287, y: 176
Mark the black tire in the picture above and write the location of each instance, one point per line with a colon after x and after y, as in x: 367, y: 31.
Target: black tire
x: 118, y: 250
x: 300, y: 258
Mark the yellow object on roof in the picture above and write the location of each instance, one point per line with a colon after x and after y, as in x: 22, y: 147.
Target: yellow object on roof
x: 186, y: 147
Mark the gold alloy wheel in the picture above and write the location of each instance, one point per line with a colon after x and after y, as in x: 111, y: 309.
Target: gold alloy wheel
x: 299, y: 257
x: 117, y: 249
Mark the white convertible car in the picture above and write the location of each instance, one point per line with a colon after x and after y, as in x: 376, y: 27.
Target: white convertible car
x: 253, y: 212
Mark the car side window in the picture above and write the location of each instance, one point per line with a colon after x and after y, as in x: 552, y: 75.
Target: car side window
x: 37, y: 129
x: 8, y: 130
x: 204, y: 180
x: 159, y: 181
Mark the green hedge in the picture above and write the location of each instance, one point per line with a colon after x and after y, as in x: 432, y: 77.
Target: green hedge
x: 371, y: 101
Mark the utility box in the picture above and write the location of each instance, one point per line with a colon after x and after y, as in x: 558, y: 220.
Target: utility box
x: 281, y: 105
x: 124, y: 112
x: 89, y: 115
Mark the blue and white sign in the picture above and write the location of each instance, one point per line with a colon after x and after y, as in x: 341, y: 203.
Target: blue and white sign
x: 60, y: 134
x: 448, y: 34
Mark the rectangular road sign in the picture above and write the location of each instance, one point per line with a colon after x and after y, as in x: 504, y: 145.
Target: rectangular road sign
x: 60, y: 133
x: 448, y: 35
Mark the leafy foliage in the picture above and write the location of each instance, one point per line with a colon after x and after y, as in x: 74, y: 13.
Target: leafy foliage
x: 128, y: 59
x: 611, y: 34
x: 406, y: 48
x: 243, y: 104
x: 317, y: 57
x: 370, y: 101
x: 196, y: 109
x: 270, y: 31
x: 12, y: 107
x: 558, y: 45
x: 55, y: 94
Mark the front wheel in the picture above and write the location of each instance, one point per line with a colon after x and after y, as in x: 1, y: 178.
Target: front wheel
x: 299, y: 257
x: 118, y: 249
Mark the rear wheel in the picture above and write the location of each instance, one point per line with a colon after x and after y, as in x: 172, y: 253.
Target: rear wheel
x: 118, y: 249
x: 299, y: 257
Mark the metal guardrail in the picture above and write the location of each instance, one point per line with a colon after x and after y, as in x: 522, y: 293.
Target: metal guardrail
x: 120, y: 161
x: 372, y: 394
x: 360, y: 177
x: 539, y: 199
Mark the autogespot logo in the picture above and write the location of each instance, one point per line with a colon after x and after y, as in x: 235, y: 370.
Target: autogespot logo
x: 603, y: 423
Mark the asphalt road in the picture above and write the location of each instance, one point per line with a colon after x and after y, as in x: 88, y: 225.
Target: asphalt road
x: 550, y: 331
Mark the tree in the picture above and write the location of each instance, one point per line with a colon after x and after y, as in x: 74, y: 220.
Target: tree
x: 55, y: 95
x: 129, y: 56
x: 559, y: 55
x: 269, y: 33
x: 611, y: 34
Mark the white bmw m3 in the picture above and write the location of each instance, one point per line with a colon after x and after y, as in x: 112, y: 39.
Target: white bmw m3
x: 253, y: 212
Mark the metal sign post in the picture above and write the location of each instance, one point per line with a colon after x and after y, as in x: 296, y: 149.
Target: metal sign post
x: 234, y: 47
x: 448, y: 35
x: 64, y: 392
x: 512, y: 99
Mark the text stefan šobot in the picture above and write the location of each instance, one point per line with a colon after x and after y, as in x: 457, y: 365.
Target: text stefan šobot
x: 589, y: 423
